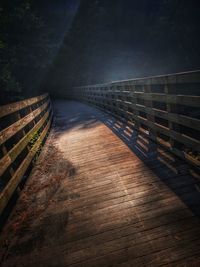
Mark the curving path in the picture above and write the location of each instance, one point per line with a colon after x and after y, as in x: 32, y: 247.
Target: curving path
x: 90, y: 201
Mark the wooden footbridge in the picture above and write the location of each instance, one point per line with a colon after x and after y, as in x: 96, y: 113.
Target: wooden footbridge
x: 117, y: 179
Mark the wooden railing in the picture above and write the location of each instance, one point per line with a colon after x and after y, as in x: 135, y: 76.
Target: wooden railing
x: 24, y: 127
x: 165, y: 109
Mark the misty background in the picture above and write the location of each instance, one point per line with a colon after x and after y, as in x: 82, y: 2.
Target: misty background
x: 61, y: 44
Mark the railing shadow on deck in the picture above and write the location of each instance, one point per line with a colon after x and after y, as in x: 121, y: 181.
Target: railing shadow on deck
x: 175, y: 173
x: 171, y: 170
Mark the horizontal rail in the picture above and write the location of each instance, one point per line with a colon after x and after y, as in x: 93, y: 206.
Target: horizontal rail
x: 20, y: 140
x: 188, y: 100
x: 164, y: 108
x: 19, y: 147
x: 20, y: 124
x: 11, y: 108
x: 15, y: 180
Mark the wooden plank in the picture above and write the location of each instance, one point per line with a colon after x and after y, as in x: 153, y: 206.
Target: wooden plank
x: 177, y: 78
x: 15, y: 180
x: 18, y: 148
x: 177, y: 118
x: 11, y: 108
x: 20, y: 124
x: 191, y: 142
x: 187, y: 100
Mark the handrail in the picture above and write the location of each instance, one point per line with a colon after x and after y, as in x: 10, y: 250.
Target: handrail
x: 24, y: 127
x: 11, y: 108
x: 164, y: 108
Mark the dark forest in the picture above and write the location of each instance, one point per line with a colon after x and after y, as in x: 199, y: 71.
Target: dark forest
x: 57, y: 45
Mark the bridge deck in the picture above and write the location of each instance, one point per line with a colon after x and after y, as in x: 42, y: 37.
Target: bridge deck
x: 90, y: 201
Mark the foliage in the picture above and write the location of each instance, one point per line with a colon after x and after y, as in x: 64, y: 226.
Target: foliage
x: 34, y: 138
x: 19, y: 28
x: 30, y: 35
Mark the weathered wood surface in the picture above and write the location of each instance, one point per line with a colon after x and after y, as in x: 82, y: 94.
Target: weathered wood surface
x: 6, y: 161
x: 11, y: 108
x: 90, y: 201
x: 20, y: 124
x: 23, y: 128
